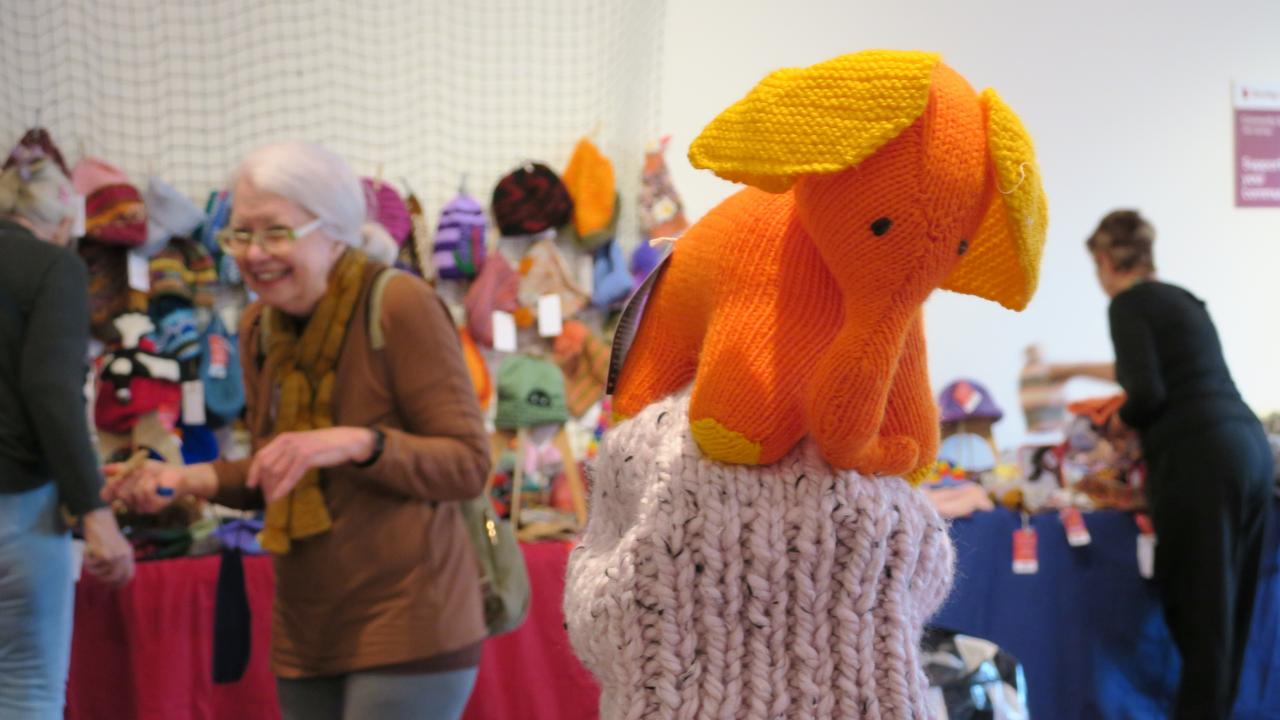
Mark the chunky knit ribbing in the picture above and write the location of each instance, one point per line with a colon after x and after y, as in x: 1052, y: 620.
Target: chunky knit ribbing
x: 706, y: 590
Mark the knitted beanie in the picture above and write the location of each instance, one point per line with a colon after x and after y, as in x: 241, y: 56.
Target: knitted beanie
x: 590, y: 181
x: 388, y: 209
x: 793, y: 590
x: 661, y: 210
x: 184, y: 269
x: 108, y: 286
x: 169, y: 214
x: 495, y: 289
x: 115, y: 214
x: 459, y: 251
x: 92, y: 174
x: 584, y: 359
x: 967, y: 400
x: 531, y: 199
x: 612, y: 279
x: 530, y: 392
x: 36, y: 144
x: 545, y: 271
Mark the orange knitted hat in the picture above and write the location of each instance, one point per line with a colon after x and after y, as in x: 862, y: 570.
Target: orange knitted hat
x: 794, y: 307
x: 589, y: 178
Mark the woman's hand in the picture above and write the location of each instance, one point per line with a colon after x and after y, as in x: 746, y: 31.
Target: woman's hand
x: 279, y: 465
x: 148, y: 489
x: 107, y: 554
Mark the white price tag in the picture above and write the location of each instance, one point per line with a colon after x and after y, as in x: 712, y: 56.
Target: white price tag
x: 1147, y: 555
x: 193, y: 403
x: 139, y: 272
x: 550, y: 320
x: 504, y: 331
x: 77, y: 559
x: 586, y: 271
x: 77, y: 226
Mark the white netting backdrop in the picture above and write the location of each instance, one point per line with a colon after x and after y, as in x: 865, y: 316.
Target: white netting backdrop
x: 425, y: 92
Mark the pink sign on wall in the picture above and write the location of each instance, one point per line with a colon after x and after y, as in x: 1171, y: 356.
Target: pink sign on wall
x: 1257, y: 145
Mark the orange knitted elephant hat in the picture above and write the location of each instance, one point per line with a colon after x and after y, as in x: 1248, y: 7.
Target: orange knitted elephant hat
x: 794, y: 307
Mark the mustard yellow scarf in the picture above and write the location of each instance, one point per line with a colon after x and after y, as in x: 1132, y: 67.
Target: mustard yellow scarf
x: 303, y: 370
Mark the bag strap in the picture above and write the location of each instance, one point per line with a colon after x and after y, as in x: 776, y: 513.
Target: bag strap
x: 378, y: 338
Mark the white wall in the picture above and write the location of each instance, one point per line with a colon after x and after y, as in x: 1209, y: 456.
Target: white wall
x: 1129, y: 105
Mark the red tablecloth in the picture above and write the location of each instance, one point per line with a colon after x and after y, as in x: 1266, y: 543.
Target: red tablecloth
x: 145, y: 651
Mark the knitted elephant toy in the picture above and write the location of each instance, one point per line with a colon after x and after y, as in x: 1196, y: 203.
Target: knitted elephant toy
x: 753, y: 549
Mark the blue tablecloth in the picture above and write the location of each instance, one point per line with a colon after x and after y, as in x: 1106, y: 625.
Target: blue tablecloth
x: 1087, y: 628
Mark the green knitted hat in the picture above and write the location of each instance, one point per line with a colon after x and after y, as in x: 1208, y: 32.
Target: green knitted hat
x: 530, y: 392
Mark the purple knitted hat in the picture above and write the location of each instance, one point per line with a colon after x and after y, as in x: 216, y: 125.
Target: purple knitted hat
x: 790, y: 590
x: 967, y: 400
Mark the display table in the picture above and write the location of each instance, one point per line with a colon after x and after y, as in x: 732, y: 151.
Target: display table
x: 1088, y: 629
x: 145, y: 651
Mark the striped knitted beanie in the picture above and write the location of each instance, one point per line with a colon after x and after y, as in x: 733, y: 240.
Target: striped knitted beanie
x: 792, y: 590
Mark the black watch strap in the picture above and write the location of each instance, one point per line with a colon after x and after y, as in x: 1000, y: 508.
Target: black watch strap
x: 379, y: 441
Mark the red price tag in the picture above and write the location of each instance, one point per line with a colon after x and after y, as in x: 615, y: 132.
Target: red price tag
x: 1146, y: 546
x: 219, y: 356
x: 1024, y: 552
x: 1073, y: 522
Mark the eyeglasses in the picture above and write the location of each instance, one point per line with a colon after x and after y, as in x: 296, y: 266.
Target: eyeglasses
x: 274, y: 240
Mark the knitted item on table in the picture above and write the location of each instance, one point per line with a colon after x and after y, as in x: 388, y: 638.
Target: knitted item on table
x: 790, y: 591
x: 967, y: 400
x: 794, y: 307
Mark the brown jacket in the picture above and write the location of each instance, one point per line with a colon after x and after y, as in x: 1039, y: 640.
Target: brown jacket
x: 395, y: 581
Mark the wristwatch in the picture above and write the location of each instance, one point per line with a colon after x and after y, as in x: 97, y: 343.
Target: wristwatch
x: 379, y: 441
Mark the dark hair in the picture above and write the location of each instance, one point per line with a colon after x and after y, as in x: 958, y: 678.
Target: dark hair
x: 1126, y: 238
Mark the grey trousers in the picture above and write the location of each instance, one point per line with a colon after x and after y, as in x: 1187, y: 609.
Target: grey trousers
x: 377, y: 696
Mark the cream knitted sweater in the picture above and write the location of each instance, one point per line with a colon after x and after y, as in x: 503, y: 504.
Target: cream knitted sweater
x: 705, y: 590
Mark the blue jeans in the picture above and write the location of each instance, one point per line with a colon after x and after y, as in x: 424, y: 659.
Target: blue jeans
x: 385, y: 696
x: 36, y: 594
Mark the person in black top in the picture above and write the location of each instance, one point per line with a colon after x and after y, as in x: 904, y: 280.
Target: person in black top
x: 46, y: 455
x: 1209, y: 465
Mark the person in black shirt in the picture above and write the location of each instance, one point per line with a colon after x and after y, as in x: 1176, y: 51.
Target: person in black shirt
x: 46, y: 456
x: 1209, y: 465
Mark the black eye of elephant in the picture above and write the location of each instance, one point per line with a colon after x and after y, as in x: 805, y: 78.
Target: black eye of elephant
x: 964, y: 247
x: 881, y: 226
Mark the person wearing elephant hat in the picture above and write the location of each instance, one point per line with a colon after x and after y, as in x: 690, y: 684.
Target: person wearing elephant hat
x: 756, y: 548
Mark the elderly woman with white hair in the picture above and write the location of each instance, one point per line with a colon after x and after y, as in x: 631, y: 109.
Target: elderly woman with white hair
x: 361, y: 451
x: 47, y: 458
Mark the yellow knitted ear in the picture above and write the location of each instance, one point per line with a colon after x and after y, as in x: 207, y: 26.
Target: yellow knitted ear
x: 1003, y: 262
x: 819, y: 119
